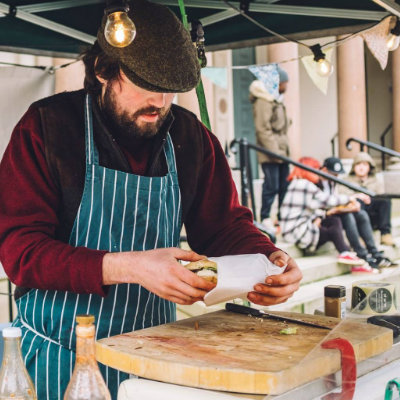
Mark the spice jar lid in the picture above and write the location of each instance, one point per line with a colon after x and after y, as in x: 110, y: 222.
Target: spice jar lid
x: 85, y: 319
x: 335, y: 291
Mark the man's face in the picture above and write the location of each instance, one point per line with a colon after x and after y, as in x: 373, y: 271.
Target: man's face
x: 361, y: 169
x: 135, y: 111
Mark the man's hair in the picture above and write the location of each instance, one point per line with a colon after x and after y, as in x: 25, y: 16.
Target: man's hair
x: 97, y: 62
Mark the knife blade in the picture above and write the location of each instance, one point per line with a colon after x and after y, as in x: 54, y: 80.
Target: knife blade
x: 237, y: 308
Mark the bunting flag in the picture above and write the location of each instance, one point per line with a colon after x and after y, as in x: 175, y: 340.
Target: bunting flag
x: 269, y: 76
x: 309, y: 64
x: 217, y: 75
x: 376, y: 37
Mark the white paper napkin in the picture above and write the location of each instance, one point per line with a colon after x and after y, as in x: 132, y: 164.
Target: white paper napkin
x: 237, y: 276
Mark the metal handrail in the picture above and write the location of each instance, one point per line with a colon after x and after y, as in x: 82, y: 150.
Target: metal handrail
x: 333, y: 147
x: 371, y: 145
x: 382, y: 140
x: 245, y: 145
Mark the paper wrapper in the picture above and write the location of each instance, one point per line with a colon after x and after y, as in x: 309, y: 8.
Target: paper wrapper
x: 237, y: 276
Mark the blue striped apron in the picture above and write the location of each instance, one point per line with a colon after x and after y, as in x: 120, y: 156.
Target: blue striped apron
x: 118, y: 212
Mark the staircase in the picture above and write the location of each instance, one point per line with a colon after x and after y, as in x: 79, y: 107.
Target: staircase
x: 318, y: 271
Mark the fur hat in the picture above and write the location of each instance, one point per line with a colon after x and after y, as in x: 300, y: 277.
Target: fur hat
x: 162, y: 57
x: 360, y: 157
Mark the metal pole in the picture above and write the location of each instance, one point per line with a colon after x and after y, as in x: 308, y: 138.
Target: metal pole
x: 250, y: 179
x: 10, y: 300
x: 243, y: 172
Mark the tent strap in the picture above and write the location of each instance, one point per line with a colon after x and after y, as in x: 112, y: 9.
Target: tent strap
x: 201, y: 98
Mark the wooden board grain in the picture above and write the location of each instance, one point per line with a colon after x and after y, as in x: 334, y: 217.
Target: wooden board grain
x: 239, y: 353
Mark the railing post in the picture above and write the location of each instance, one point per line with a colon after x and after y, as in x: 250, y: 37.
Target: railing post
x: 383, y: 157
x: 10, y: 302
x: 250, y: 179
x: 243, y: 171
x: 361, y: 147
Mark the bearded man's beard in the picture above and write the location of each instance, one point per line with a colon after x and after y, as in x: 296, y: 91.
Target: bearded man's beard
x: 126, y: 123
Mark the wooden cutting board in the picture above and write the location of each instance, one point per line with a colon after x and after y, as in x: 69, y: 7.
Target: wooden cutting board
x: 239, y: 353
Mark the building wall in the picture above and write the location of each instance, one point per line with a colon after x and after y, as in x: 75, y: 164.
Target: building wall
x: 379, y: 99
x: 319, y: 112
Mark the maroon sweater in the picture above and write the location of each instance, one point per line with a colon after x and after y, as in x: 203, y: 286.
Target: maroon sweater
x: 30, y: 202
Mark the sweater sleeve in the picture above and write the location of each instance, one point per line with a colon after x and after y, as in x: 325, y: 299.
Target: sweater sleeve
x: 29, y: 200
x: 217, y: 224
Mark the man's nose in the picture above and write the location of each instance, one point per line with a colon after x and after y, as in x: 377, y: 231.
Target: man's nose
x: 157, y: 100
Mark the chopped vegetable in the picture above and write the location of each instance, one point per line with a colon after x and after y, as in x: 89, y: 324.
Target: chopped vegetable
x: 288, y: 331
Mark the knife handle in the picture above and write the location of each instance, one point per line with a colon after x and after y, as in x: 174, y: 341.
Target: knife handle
x: 237, y: 308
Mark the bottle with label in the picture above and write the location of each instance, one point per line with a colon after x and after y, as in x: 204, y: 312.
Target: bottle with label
x: 15, y: 382
x: 335, y: 301
x: 86, y: 382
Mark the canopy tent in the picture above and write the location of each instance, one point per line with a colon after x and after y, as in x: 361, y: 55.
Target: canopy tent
x: 64, y: 28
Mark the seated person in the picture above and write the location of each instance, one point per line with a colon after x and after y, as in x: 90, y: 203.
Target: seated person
x: 303, y: 219
x: 379, y: 210
x: 355, y: 220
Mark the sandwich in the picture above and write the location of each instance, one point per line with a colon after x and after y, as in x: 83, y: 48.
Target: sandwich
x: 206, y: 269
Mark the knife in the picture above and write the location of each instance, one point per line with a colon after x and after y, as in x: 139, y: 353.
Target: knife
x: 237, y: 308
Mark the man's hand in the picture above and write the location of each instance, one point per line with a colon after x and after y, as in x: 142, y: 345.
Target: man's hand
x: 277, y: 288
x: 159, y: 272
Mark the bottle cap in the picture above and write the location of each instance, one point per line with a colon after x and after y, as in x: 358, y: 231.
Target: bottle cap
x: 85, y: 319
x: 12, y: 332
x: 335, y: 291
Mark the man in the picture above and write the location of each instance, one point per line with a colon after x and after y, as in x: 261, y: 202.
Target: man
x: 96, y: 185
x: 355, y: 220
x: 271, y: 124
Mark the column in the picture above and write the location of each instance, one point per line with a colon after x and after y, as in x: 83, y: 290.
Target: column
x: 286, y: 51
x: 352, y: 107
x: 396, y: 99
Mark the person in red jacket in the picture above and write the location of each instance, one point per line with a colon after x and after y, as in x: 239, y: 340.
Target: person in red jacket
x: 96, y: 185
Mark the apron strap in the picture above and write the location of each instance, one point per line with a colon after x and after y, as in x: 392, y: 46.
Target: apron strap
x: 92, y: 156
x: 170, y: 155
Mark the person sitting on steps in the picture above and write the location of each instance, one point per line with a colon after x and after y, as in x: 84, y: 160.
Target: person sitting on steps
x: 303, y: 212
x: 355, y: 220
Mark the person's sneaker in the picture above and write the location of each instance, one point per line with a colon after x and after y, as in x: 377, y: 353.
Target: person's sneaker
x: 363, y: 269
x: 383, y: 262
x: 387, y: 239
x: 269, y: 225
x: 349, y: 258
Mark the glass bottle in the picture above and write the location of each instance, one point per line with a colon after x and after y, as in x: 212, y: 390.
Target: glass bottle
x: 86, y: 382
x: 15, y: 382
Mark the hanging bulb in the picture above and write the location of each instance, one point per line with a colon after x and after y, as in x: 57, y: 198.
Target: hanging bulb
x: 323, y: 66
x: 392, y: 42
x: 119, y: 30
x: 393, y: 39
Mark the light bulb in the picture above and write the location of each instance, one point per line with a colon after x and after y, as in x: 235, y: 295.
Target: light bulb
x: 392, y: 42
x: 119, y: 30
x: 324, y: 68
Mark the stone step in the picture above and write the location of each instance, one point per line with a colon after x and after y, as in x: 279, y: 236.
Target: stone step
x: 310, y: 297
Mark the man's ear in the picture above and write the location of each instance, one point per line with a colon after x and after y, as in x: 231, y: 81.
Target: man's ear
x: 100, y: 79
x: 98, y: 76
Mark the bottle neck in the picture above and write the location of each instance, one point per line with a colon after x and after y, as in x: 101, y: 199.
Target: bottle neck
x: 12, y: 349
x: 85, y: 346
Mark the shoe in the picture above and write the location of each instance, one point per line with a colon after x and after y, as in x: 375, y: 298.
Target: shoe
x: 364, y: 269
x: 349, y: 258
x: 383, y: 262
x: 387, y: 239
x: 269, y: 225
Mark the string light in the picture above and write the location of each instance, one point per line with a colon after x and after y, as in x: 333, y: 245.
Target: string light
x: 119, y: 31
x: 393, y: 39
x: 324, y: 67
